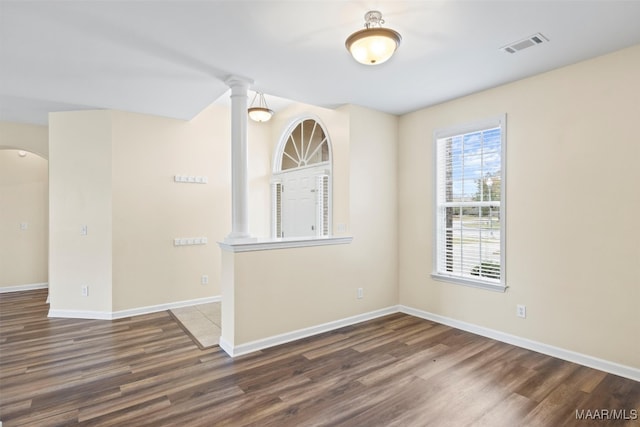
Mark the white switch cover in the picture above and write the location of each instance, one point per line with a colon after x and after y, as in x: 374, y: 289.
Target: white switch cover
x: 189, y: 241
x: 191, y: 179
x: 24, y: 226
x: 84, y: 230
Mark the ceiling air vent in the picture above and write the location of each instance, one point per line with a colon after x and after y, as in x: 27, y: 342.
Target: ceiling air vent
x: 533, y: 40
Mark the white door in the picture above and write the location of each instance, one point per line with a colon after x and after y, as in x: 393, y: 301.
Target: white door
x: 299, y: 205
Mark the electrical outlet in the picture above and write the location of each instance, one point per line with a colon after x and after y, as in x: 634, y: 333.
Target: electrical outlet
x: 85, y: 291
x: 360, y: 293
x: 521, y: 311
x: 204, y: 279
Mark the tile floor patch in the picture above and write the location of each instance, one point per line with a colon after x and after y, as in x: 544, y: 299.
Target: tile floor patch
x: 201, y: 321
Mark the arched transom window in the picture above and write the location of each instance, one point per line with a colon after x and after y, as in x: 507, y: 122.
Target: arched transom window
x: 301, y: 184
x: 306, y: 145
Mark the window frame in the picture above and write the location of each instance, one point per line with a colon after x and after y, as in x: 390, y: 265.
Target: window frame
x: 458, y: 130
x: 322, y: 170
x: 284, y: 139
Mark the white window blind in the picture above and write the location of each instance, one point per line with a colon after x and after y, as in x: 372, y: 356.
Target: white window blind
x: 276, y: 206
x: 322, y: 204
x: 469, y: 224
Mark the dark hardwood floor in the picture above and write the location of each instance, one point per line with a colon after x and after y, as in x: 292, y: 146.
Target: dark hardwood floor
x: 394, y: 371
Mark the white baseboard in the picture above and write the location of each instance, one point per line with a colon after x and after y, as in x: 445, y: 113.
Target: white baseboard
x: 162, y: 307
x: 560, y: 353
x: 111, y: 315
x: 226, y: 347
x: 20, y: 288
x: 261, y: 344
x: 80, y: 314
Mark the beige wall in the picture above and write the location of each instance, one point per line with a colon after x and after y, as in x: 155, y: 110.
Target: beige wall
x: 259, y: 140
x: 281, y: 291
x: 373, y: 183
x: 23, y: 200
x: 80, y: 193
x: 150, y: 209
x: 22, y: 136
x: 284, y: 290
x: 119, y: 167
x: 572, y: 202
x: 114, y: 171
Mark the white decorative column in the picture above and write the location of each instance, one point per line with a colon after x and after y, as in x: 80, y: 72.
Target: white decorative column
x: 239, y: 161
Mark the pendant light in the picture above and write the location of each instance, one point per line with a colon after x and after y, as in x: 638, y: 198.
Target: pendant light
x: 259, y: 113
x: 373, y: 45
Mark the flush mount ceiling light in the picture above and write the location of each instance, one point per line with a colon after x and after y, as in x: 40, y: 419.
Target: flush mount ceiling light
x: 259, y: 113
x: 373, y: 45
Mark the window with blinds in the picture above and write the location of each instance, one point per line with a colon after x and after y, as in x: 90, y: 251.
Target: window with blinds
x: 301, y: 181
x: 470, y: 214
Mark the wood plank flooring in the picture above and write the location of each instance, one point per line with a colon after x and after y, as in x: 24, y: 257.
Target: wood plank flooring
x: 394, y: 371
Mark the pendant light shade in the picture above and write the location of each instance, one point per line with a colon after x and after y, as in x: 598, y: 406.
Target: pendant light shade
x: 259, y: 113
x: 373, y: 45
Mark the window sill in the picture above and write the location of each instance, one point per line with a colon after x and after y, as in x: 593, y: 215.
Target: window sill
x: 272, y: 244
x: 471, y: 283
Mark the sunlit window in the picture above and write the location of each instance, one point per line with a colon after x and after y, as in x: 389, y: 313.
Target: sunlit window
x: 469, y: 246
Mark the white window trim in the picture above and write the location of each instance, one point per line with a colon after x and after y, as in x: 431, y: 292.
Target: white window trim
x: 286, y: 243
x: 284, y: 137
x: 492, y: 122
x: 321, y: 168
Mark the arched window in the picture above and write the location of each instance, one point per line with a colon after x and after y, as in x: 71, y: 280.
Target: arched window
x: 301, y: 184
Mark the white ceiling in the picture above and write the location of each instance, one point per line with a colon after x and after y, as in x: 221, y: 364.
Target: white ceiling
x: 171, y: 58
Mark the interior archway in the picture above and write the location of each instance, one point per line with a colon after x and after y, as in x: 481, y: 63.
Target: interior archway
x: 24, y: 220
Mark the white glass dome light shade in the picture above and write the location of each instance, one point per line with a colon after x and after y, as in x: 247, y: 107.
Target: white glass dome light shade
x: 260, y: 114
x: 373, y: 46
